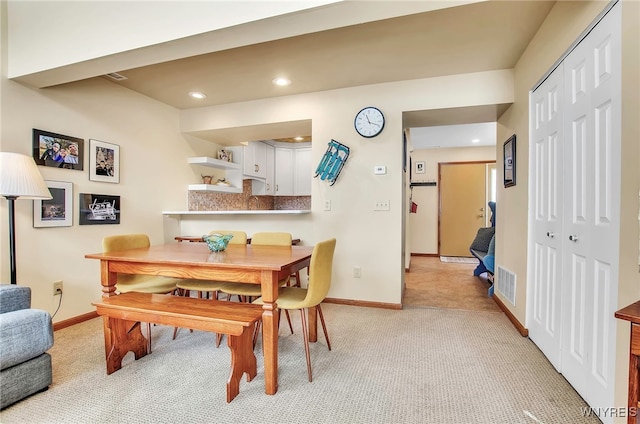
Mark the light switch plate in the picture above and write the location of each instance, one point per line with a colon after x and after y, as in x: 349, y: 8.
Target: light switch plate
x: 379, y: 169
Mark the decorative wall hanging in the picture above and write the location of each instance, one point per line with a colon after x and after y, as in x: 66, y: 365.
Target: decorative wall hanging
x: 57, y: 211
x: 104, y: 162
x: 99, y: 209
x: 57, y: 150
x: 332, y: 162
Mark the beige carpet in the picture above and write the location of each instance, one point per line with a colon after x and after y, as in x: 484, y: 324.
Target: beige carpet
x: 418, y: 365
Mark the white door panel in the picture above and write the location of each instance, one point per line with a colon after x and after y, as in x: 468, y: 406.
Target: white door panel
x: 546, y: 226
x: 575, y: 197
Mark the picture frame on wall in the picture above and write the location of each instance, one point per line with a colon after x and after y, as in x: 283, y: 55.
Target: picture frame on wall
x: 58, y: 150
x: 99, y: 209
x: 509, y: 153
x: 57, y: 211
x: 104, y: 162
x: 421, y: 167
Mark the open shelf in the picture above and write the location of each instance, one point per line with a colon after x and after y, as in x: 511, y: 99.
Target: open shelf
x: 214, y: 187
x: 213, y: 163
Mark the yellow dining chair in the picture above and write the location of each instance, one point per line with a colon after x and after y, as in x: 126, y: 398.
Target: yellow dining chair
x: 136, y: 282
x: 203, y: 287
x: 320, y: 270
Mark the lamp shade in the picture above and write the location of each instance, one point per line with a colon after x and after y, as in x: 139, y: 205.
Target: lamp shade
x: 19, y: 177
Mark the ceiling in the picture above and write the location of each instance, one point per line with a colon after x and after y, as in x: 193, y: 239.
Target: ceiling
x: 470, y: 38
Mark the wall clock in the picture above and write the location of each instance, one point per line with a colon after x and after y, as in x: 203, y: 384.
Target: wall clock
x: 369, y: 122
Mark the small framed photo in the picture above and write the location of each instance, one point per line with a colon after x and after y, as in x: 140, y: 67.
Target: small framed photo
x: 509, y: 151
x: 420, y: 167
x: 225, y: 155
x: 57, y: 150
x: 104, y: 162
x: 96, y: 209
x: 58, y: 211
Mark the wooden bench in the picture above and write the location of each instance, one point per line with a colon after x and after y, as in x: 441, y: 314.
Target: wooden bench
x: 123, y: 314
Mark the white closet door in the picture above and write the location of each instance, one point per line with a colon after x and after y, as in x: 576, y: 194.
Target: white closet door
x: 592, y: 211
x: 546, y: 216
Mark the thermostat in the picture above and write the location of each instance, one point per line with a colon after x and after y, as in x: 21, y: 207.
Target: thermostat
x: 379, y: 169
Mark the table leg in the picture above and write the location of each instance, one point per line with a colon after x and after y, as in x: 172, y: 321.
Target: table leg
x: 108, y: 280
x: 269, y: 286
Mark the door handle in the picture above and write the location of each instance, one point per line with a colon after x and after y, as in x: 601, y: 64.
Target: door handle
x: 573, y: 238
x: 550, y: 234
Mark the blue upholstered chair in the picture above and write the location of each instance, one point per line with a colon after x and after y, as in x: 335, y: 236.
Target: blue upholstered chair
x: 25, y: 336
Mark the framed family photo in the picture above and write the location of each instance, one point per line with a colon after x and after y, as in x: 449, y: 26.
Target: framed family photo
x: 509, y: 151
x: 58, y: 150
x: 55, y: 212
x: 97, y: 209
x: 104, y: 162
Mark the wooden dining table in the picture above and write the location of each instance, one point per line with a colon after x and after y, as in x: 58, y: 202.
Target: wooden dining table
x: 264, y: 265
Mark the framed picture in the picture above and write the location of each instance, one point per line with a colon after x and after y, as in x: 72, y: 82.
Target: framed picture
x: 420, y: 167
x: 509, y: 151
x: 225, y: 155
x: 57, y: 150
x: 96, y: 209
x: 58, y: 211
x: 104, y: 162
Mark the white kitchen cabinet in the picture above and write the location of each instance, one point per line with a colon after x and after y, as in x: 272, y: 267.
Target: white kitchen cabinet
x: 293, y: 171
x: 284, y: 171
x: 255, y: 160
x: 302, y: 172
x: 270, y: 183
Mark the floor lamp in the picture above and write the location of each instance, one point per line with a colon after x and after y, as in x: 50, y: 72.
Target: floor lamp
x: 19, y: 178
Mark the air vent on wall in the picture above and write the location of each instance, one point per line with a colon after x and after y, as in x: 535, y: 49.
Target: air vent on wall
x: 506, y: 284
x: 116, y: 76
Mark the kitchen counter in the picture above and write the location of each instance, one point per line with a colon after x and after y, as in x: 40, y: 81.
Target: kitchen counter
x: 239, y: 212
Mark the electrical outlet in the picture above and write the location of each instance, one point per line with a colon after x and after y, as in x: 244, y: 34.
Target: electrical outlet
x: 357, y: 272
x: 381, y: 205
x: 57, y: 287
x: 327, y: 205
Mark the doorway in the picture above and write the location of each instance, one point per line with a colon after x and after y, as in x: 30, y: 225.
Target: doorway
x: 465, y: 190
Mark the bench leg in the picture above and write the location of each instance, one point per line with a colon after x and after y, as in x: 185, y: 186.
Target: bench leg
x: 243, y: 360
x: 121, y: 337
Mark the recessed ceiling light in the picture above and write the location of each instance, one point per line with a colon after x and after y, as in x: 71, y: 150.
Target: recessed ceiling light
x: 298, y: 138
x: 475, y: 140
x: 281, y: 81
x: 197, y: 95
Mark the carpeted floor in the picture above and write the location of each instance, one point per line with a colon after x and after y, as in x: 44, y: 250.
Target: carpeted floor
x: 417, y: 365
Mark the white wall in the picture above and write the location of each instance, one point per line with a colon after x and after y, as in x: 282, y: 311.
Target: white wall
x: 370, y: 239
x: 423, y: 237
x: 152, y: 178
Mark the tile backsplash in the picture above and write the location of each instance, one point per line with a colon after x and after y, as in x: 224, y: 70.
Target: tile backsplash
x: 218, y: 201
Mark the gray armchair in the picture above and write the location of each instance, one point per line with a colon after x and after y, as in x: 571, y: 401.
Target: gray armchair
x: 25, y: 336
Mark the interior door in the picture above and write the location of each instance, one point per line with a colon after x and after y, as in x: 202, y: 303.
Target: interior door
x: 546, y: 185
x: 463, y: 206
x: 592, y: 211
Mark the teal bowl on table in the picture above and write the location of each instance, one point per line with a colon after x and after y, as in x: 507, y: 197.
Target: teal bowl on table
x: 217, y: 242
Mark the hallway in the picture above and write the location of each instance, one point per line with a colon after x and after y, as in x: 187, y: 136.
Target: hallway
x: 433, y: 283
